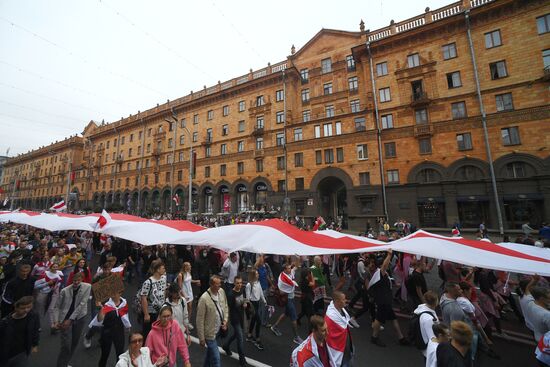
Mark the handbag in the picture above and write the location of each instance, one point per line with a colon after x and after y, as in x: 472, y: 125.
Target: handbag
x: 221, y: 333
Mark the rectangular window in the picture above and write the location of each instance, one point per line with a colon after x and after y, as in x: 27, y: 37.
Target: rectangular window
x: 280, y: 117
x: 355, y: 106
x: 240, y: 168
x: 543, y: 24
x: 464, y: 141
x: 225, y: 130
x: 385, y: 95
x: 362, y: 152
x: 393, y: 176
x: 140, y: 135
x: 280, y: 139
x: 449, y: 51
x: 207, y: 171
x: 413, y: 60
x: 183, y: 123
x: 326, y: 66
x: 350, y: 63
x: 195, y: 119
x: 299, y: 183
x: 207, y: 151
x: 390, y: 150
x: 240, y: 146
x: 223, y: 149
x: 425, y: 145
x: 546, y: 59
x: 180, y: 157
x: 241, y: 126
x: 149, y: 131
x: 329, y: 111
x: 338, y: 128
x: 210, y: 115
x: 132, y: 135
x: 360, y: 124
x: 492, y: 39
x: 329, y: 156
x: 170, y: 142
x: 339, y: 155
x: 279, y: 95
x: 306, y: 115
x: 259, y: 165
x: 498, y: 69
x: 225, y: 110
x: 281, y: 185
x: 304, y: 75
x: 327, y: 89
x: 387, y: 121
x: 318, y: 157
x: 242, y: 106
x: 167, y: 177
x: 180, y: 175
x: 298, y: 159
x: 260, y: 122
x: 298, y: 135
x: 458, y: 110
x: 223, y: 169
x: 122, y: 140
x: 382, y: 69
x: 421, y: 116
x: 327, y: 129
x: 353, y: 84
x: 259, y: 143
x: 280, y: 163
x: 195, y: 137
x: 453, y: 80
x: 209, y: 135
x: 364, y: 178
x: 317, y: 131
x: 305, y: 95
x: 182, y: 139
x: 510, y: 136
x: 259, y: 101
x: 504, y: 102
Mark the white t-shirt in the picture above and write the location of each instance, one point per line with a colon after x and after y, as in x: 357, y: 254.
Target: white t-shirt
x: 230, y: 270
x: 187, y: 287
x: 431, y: 354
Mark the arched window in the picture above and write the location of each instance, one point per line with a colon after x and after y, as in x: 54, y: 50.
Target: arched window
x: 428, y: 175
x: 469, y: 173
x: 516, y: 170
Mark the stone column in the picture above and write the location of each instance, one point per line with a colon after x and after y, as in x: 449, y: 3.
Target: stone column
x: 451, y: 207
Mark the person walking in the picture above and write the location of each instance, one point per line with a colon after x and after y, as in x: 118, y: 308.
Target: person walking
x: 185, y: 282
x: 286, y: 285
x: 20, y: 334
x: 237, y: 304
x: 20, y: 286
x: 153, y: 295
x: 313, y: 352
x: 230, y: 269
x: 306, y: 300
x: 48, y: 286
x: 339, y: 342
x: 69, y: 316
x: 427, y: 317
x: 456, y: 353
x: 212, y: 317
x: 257, y: 299
x: 441, y: 335
x: 137, y: 355
x: 319, y: 290
x: 167, y: 340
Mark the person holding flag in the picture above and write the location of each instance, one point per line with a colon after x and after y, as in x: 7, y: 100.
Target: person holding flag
x: 286, y: 285
x: 313, y: 352
x: 339, y: 342
x: 59, y: 207
x: 176, y: 199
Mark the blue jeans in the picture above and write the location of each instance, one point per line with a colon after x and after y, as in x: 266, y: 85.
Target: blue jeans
x: 238, y: 335
x: 212, y: 358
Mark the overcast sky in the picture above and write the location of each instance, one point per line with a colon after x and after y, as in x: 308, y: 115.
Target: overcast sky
x: 66, y: 62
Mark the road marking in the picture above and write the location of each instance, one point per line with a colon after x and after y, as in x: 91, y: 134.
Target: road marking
x: 235, y: 356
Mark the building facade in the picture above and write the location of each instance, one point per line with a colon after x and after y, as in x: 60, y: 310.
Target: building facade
x: 352, y: 126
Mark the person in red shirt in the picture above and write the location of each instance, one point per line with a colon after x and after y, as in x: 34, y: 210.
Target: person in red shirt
x: 313, y: 351
x: 81, y: 267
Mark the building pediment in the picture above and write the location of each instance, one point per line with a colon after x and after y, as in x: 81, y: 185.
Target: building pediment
x: 326, y: 41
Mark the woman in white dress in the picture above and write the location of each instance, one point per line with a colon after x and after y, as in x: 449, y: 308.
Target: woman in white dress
x: 185, y: 282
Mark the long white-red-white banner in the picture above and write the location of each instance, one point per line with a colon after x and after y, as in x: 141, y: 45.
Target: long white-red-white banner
x: 275, y: 236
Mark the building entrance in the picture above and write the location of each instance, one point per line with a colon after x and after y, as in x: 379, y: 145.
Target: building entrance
x: 333, y: 204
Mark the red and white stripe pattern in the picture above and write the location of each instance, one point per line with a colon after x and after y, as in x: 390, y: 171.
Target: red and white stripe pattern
x: 275, y: 236
x: 121, y: 310
x: 286, y: 282
x: 59, y: 207
x: 337, y: 332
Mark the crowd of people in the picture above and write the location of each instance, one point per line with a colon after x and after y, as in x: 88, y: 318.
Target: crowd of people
x: 229, y: 300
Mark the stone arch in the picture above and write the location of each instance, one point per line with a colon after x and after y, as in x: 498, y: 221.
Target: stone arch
x: 535, y: 165
x: 415, y: 172
x: 241, y: 195
x: 155, y: 200
x: 166, y: 199
x: 453, y: 171
x: 330, y: 172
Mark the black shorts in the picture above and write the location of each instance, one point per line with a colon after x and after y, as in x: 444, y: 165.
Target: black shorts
x: 384, y: 313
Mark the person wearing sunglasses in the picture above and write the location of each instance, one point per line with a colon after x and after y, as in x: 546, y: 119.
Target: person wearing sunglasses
x: 137, y: 355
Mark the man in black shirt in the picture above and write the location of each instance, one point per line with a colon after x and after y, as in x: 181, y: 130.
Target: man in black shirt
x: 237, y: 305
x: 380, y: 289
x: 19, y: 332
x: 456, y: 353
x: 20, y: 286
x: 416, y: 285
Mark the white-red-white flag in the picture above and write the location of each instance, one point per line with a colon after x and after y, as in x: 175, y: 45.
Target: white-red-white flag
x: 176, y: 199
x: 103, y: 220
x: 59, y: 207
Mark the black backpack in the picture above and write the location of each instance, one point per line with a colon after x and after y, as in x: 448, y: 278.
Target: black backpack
x: 415, y: 335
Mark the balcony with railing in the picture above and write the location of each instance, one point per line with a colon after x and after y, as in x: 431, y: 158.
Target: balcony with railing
x: 157, y: 151
x: 423, y: 130
x: 420, y: 99
x: 258, y: 131
x: 546, y: 74
x: 207, y: 140
x: 259, y: 153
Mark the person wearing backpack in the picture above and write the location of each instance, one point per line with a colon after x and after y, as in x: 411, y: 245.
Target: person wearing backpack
x: 442, y: 335
x: 152, y: 295
x: 424, y: 317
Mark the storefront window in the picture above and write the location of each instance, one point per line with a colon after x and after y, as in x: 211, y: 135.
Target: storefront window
x: 208, y: 200
x: 522, y: 211
x: 225, y: 204
x: 242, y: 198
x: 431, y: 213
x: 473, y: 212
x: 261, y: 196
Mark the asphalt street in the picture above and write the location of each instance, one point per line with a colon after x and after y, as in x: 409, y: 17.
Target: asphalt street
x: 278, y: 349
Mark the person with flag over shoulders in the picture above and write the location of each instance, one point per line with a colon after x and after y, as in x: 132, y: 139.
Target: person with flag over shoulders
x: 286, y: 285
x: 339, y: 342
x: 313, y: 352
